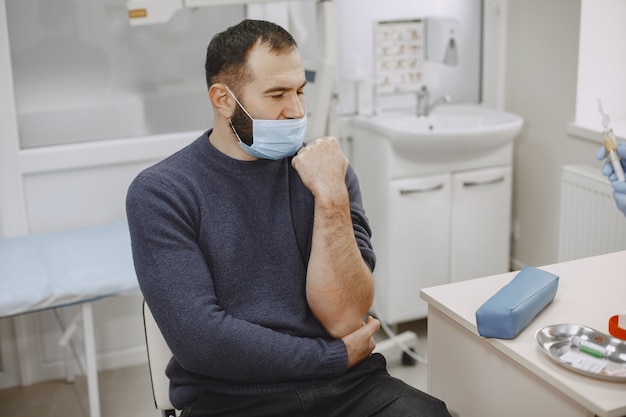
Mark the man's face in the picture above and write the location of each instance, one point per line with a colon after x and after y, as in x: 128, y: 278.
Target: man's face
x: 275, y: 92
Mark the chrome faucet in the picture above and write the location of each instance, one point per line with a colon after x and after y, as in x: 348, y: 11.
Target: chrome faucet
x: 424, y: 106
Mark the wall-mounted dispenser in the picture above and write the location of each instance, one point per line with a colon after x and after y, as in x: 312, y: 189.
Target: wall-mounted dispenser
x: 442, y: 40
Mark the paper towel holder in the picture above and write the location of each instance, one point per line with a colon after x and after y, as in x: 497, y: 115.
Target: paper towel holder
x: 442, y: 40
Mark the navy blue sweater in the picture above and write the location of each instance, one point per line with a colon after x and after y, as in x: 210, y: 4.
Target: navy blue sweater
x: 221, y: 248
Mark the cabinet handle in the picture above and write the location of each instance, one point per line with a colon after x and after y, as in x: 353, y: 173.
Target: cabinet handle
x: 421, y: 190
x: 479, y: 183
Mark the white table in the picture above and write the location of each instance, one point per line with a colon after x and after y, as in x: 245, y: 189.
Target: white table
x: 55, y: 270
x: 480, y: 377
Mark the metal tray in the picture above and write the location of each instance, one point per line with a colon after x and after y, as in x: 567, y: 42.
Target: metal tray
x: 555, y: 341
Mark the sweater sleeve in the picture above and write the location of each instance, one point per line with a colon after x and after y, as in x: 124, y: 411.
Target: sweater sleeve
x: 360, y: 223
x: 175, y: 278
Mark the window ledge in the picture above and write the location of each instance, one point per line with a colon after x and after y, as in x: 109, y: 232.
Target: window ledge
x: 594, y: 134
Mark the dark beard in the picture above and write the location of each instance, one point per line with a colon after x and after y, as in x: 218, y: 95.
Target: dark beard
x: 242, y: 125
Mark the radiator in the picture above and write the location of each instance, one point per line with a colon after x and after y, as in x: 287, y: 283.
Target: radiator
x: 589, y: 222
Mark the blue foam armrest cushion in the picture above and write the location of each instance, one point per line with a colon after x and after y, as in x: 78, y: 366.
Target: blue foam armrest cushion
x: 514, y: 306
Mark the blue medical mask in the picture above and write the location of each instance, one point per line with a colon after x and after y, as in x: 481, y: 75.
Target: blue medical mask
x: 273, y: 139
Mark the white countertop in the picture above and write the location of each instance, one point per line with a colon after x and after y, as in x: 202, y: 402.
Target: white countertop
x: 590, y: 291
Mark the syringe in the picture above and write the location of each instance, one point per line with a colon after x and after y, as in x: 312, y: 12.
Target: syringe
x: 610, y: 145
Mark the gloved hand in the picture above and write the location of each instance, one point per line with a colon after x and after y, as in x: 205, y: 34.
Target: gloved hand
x: 619, y: 194
x: 607, y: 168
x: 619, y: 187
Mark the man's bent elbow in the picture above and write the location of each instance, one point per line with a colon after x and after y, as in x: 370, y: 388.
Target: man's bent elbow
x: 340, y: 325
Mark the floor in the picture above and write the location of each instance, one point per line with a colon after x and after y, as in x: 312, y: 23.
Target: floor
x: 126, y: 392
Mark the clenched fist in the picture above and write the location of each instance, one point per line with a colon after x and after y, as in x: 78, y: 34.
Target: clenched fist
x: 322, y: 167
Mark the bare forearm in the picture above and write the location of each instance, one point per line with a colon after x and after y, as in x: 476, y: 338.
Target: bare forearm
x: 339, y: 287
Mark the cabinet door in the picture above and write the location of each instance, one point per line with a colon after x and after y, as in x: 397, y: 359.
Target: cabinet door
x: 419, y: 230
x: 481, y: 218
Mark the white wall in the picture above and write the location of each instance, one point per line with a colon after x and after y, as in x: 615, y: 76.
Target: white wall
x: 541, y: 85
x: 356, y: 19
x: 602, y: 60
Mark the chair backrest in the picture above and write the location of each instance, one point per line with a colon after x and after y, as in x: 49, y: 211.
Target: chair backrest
x: 159, y: 355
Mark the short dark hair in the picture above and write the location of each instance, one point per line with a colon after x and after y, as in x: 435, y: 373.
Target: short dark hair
x: 227, y: 53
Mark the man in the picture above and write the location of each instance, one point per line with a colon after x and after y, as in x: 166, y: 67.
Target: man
x: 256, y: 263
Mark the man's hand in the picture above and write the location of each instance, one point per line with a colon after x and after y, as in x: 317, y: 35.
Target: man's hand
x: 360, y: 343
x: 322, y: 167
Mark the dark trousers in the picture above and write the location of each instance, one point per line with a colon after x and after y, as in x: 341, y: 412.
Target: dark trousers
x: 365, y: 390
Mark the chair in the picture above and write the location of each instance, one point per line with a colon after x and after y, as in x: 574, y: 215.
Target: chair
x: 159, y: 355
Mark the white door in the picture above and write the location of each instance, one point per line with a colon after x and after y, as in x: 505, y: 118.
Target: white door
x: 481, y: 216
x: 419, y: 230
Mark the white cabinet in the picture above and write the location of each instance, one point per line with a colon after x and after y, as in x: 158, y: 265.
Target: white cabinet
x: 439, y: 229
x: 433, y: 222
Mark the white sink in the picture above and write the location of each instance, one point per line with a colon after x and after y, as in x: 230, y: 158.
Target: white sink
x: 451, y: 130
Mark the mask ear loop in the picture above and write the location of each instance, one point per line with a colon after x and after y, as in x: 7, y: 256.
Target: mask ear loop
x: 231, y: 121
x: 242, y: 107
